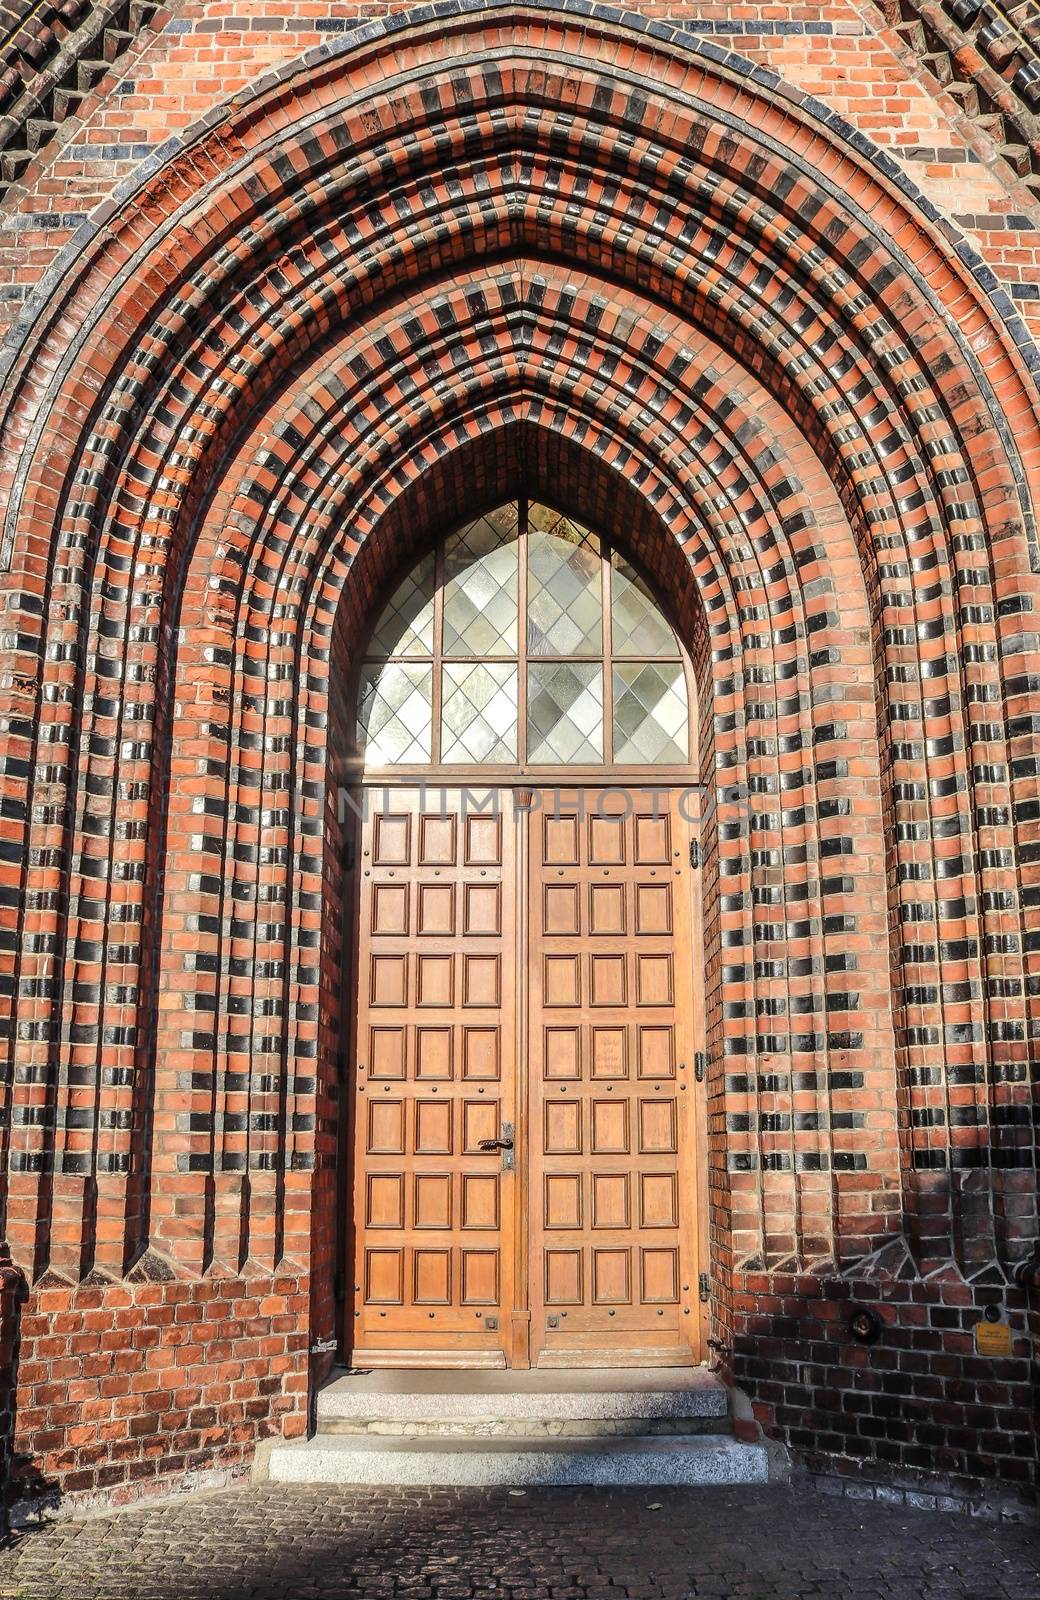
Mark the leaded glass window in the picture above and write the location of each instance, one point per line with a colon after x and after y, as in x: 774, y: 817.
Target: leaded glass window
x: 523, y: 639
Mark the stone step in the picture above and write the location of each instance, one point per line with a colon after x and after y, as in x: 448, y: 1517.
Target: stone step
x: 489, y: 1402
x: 514, y: 1463
x: 525, y: 1428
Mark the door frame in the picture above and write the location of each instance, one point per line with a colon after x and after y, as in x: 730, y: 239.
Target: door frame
x: 524, y: 784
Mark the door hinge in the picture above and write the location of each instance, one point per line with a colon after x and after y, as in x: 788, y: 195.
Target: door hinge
x: 695, y: 853
x: 702, y: 1285
x: 698, y: 1066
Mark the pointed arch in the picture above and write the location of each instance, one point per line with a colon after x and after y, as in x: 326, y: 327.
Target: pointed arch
x: 295, y: 345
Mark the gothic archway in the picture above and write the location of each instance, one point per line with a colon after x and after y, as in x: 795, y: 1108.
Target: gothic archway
x: 323, y: 325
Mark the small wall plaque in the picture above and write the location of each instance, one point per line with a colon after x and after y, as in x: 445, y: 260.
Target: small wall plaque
x: 992, y: 1339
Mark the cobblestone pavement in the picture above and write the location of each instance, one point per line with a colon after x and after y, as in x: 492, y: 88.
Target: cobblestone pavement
x: 268, y: 1543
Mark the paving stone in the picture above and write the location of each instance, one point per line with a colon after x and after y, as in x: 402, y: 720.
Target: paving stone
x: 273, y: 1542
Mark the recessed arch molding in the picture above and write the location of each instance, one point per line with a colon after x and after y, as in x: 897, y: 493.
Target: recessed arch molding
x: 437, y: 262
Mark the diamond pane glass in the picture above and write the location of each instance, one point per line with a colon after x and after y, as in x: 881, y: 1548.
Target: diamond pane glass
x: 564, y: 711
x: 564, y: 587
x: 478, y: 711
x: 395, y: 713
x: 638, y: 625
x: 406, y: 625
x: 481, y: 573
x: 650, y: 712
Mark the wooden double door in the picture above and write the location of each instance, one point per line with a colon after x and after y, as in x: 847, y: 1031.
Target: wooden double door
x: 525, y: 1154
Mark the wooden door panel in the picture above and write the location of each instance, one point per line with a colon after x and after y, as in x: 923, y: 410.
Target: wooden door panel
x: 612, y: 1037
x: 435, y: 1074
x: 592, y: 1239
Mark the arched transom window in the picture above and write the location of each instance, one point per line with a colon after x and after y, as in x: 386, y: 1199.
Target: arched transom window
x: 523, y: 639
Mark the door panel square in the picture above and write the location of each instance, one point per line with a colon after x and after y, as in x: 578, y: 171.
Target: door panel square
x: 390, y: 908
x: 432, y: 1200
x: 483, y: 841
x: 385, y: 1200
x: 432, y: 1275
x: 611, y: 1206
x: 480, y: 1053
x: 436, y: 908
x: 480, y: 1120
x: 384, y: 1277
x: 433, y: 1053
x: 560, y: 841
x: 480, y: 1200
x: 606, y: 841
x: 608, y: 980
x: 391, y: 835
x: 653, y: 908
x: 386, y: 1127
x: 563, y: 1278
x: 611, y: 1277
x: 563, y: 1200
x: 654, y: 980
x: 610, y: 1052
x: 435, y: 981
x: 480, y: 1277
x: 433, y: 1127
x: 562, y: 1053
x: 389, y: 981
x: 610, y: 1127
x: 436, y: 841
x: 563, y: 1128
x: 659, y: 1276
x: 386, y: 1053
x: 483, y: 909
x: 657, y: 1127
x: 607, y: 908
x: 560, y: 909
x: 658, y: 1200
x: 656, y: 1051
x: 562, y: 981
x: 653, y: 841
x: 480, y: 980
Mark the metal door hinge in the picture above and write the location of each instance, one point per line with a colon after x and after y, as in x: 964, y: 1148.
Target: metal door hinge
x: 695, y: 853
x: 698, y: 1066
x: 703, y: 1286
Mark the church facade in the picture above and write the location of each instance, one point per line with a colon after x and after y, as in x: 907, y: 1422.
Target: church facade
x: 519, y: 720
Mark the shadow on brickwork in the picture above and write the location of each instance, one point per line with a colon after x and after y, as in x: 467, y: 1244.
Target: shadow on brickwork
x: 913, y: 1405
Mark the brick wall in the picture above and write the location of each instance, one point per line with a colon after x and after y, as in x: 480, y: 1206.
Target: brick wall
x: 739, y: 328
x: 11, y: 1287
x: 124, y: 1388
x: 915, y: 1406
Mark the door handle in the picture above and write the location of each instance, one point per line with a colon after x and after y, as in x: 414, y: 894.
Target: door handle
x: 488, y: 1145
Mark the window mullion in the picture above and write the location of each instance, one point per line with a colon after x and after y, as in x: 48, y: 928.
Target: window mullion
x: 438, y: 650
x: 521, y: 636
x: 608, y: 654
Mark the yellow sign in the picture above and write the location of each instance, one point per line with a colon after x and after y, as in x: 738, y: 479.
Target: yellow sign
x: 992, y: 1339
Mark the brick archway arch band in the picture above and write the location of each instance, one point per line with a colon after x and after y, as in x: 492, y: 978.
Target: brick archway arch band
x: 385, y: 285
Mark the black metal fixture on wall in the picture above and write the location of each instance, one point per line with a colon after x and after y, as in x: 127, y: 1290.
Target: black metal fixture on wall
x: 864, y: 1325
